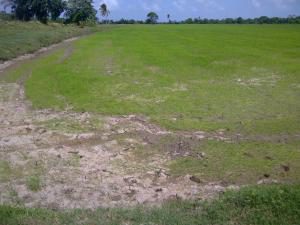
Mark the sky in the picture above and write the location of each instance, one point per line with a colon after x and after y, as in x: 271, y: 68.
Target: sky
x: 182, y: 9
x: 212, y: 9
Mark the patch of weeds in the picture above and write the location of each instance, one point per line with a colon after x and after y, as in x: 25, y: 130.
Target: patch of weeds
x: 142, y: 153
x: 18, y: 38
x: 243, y: 163
x: 15, y: 197
x: 72, y: 126
x: 74, y: 160
x: 33, y: 183
x: 7, y: 172
x: 276, y: 205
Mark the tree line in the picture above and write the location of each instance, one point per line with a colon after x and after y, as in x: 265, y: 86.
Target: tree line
x: 77, y: 11
x: 153, y: 18
x: 260, y: 20
x: 70, y: 11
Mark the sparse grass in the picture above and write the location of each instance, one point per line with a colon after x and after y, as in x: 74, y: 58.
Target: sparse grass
x: 7, y: 172
x: 73, y: 126
x: 17, y: 38
x: 33, y: 183
x: 187, y: 77
x: 242, y: 163
x: 276, y: 205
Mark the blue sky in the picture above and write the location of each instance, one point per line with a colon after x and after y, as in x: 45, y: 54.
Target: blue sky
x: 182, y: 9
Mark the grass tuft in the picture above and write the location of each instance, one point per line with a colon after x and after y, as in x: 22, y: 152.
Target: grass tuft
x: 276, y: 205
x: 33, y: 183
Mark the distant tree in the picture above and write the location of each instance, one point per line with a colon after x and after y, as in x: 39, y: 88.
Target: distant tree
x: 56, y: 8
x: 27, y: 9
x: 22, y: 9
x: 239, y: 20
x: 40, y: 10
x: 78, y: 11
x: 169, y: 16
x: 263, y: 19
x: 189, y: 21
x: 104, y: 10
x: 152, y: 17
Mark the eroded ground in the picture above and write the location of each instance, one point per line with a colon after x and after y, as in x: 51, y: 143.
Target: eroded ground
x: 67, y: 160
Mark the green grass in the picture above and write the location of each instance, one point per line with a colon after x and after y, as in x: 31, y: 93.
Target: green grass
x: 33, y: 183
x: 245, y: 162
x: 17, y: 38
x: 253, y: 205
x: 187, y: 77
x: 7, y: 172
x: 72, y: 126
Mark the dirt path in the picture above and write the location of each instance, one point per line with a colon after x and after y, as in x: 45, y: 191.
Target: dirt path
x: 22, y: 58
x: 80, y: 160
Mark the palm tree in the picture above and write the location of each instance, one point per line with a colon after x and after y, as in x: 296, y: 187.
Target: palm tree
x: 169, y: 16
x: 104, y: 10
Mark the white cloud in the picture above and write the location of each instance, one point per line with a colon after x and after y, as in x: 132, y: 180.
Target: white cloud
x: 283, y: 4
x: 280, y: 4
x: 211, y: 4
x: 150, y: 7
x: 179, y: 4
x: 207, y: 4
x: 256, y: 3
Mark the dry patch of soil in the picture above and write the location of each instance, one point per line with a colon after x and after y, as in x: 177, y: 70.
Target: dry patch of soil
x: 81, y: 160
x: 87, y: 161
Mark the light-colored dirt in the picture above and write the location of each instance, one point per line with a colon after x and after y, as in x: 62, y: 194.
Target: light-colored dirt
x: 92, y: 167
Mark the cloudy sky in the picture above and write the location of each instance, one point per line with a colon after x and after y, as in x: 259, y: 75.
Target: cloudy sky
x: 182, y: 9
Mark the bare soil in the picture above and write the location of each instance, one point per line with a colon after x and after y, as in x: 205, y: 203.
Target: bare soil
x: 84, y: 160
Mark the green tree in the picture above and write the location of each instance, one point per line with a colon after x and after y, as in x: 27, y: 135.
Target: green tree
x: 56, y: 8
x: 240, y: 20
x: 40, y: 10
x: 152, y: 17
x: 27, y: 9
x: 22, y: 9
x: 80, y: 10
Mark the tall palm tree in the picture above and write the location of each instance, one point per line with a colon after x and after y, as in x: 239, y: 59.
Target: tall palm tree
x: 169, y: 16
x: 104, y: 10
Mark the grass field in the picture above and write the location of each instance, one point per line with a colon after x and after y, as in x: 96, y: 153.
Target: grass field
x: 244, y: 79
x: 276, y: 205
x: 17, y: 38
x: 237, y: 85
